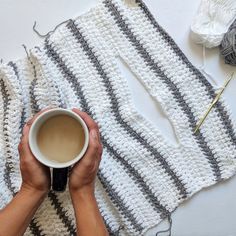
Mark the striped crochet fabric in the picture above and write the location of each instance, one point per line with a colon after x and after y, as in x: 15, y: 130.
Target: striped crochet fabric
x: 143, y: 176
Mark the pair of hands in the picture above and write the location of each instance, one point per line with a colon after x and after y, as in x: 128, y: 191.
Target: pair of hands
x: 36, y: 183
x: 36, y: 176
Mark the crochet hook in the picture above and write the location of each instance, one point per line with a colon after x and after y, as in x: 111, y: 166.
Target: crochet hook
x: 214, y: 102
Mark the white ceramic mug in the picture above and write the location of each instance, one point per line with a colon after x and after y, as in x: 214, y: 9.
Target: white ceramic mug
x: 60, y: 170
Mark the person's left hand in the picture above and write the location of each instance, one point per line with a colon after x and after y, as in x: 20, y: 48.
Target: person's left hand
x: 35, y: 176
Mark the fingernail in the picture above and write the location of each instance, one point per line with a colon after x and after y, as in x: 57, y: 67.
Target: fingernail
x: 94, y: 134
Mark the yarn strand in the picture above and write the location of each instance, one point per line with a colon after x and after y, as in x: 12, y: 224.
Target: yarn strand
x: 50, y: 32
x: 169, y: 228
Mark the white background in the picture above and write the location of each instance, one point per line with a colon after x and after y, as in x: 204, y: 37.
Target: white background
x: 211, y: 212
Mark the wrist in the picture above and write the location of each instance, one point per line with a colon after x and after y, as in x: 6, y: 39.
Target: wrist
x: 83, y: 198
x: 83, y: 192
x: 33, y: 192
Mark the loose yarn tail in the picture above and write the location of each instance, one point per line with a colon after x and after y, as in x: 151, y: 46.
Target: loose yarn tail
x: 169, y: 228
x: 203, y: 67
x: 30, y: 60
x: 50, y: 32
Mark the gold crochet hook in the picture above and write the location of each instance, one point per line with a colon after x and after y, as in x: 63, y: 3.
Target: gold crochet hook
x: 214, y: 102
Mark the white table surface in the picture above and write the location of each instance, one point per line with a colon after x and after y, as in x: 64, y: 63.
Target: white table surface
x: 212, y: 212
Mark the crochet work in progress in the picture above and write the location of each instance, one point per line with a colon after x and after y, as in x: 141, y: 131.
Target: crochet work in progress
x: 143, y: 177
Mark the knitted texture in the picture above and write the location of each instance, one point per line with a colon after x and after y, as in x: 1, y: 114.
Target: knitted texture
x: 143, y: 176
x: 212, y: 21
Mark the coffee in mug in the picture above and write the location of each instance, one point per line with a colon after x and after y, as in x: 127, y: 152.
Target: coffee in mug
x: 58, y: 138
x: 61, y: 138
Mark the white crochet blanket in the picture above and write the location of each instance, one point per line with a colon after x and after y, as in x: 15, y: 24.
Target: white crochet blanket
x: 143, y: 176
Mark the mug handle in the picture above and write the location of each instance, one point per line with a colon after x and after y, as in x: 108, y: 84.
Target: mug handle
x: 59, y: 179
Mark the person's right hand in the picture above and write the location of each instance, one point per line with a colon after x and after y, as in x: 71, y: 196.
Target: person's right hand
x: 35, y: 176
x: 83, y: 174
